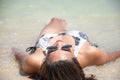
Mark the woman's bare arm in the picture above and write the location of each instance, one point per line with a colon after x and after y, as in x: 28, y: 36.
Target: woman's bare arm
x: 113, y: 56
x: 90, y: 55
x: 101, y: 57
x: 29, y: 63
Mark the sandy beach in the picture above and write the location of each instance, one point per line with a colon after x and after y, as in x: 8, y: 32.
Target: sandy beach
x: 21, y: 22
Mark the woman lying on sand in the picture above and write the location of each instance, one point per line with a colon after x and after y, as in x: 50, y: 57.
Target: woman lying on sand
x: 60, y: 55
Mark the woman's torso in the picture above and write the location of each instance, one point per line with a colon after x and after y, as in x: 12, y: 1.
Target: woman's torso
x: 76, y: 38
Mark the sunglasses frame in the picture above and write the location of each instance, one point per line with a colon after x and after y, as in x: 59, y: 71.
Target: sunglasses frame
x: 64, y: 47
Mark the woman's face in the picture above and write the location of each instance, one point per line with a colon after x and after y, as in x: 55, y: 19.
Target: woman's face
x: 60, y: 51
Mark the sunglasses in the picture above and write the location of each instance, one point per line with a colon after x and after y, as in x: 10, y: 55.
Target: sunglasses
x: 54, y: 48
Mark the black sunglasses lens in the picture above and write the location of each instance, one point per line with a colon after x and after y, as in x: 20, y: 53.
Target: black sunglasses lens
x: 51, y: 49
x: 66, y: 47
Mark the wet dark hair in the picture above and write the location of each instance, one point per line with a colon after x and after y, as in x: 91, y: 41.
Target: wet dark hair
x: 62, y: 70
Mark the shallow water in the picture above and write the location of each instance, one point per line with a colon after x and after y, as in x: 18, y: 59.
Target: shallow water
x: 21, y: 22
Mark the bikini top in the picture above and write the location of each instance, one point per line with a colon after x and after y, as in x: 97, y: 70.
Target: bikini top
x: 44, y: 41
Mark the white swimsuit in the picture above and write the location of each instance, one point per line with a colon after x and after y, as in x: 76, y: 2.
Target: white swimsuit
x: 79, y: 37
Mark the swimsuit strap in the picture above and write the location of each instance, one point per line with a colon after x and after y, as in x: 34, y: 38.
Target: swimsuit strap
x: 79, y: 38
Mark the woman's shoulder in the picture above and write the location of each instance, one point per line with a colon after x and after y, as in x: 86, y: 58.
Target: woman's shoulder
x: 87, y: 48
x: 87, y: 54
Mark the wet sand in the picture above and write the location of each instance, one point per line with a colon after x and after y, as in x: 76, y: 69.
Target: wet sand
x: 21, y: 22
x: 107, y: 40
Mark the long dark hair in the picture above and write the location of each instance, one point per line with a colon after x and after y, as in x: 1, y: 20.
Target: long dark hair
x: 62, y: 70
